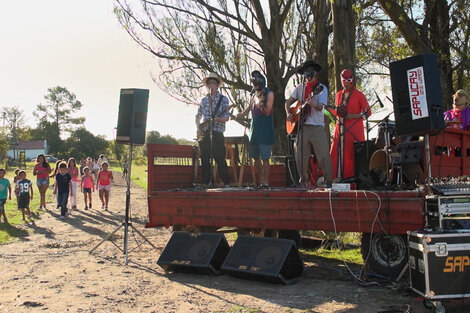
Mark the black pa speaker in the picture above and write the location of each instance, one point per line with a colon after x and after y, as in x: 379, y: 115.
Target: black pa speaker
x: 417, y: 98
x: 132, y: 119
x: 268, y: 259
x: 363, y: 151
x: 194, y: 253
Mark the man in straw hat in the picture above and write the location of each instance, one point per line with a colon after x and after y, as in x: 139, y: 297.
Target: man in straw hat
x: 312, y: 136
x: 213, y: 109
x: 460, y: 111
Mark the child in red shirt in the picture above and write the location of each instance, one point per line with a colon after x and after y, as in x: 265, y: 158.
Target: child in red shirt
x: 103, y: 184
x: 87, y: 185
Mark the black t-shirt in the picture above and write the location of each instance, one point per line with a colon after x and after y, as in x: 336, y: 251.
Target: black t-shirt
x: 62, y: 182
x: 23, y: 187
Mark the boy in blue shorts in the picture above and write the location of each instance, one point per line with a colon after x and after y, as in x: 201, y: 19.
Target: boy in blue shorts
x: 24, y: 189
x: 4, y: 186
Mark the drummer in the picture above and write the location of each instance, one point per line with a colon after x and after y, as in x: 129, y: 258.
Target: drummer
x: 461, y: 111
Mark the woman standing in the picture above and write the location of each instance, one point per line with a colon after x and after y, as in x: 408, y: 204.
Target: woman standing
x: 73, y: 171
x: 262, y: 126
x: 42, y: 170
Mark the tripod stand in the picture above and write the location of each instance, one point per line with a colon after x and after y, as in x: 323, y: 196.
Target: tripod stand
x: 126, y: 223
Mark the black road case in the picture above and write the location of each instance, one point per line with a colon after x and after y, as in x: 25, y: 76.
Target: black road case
x: 439, y: 264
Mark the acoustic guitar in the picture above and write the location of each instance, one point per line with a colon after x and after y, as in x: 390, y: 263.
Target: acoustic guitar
x: 291, y: 127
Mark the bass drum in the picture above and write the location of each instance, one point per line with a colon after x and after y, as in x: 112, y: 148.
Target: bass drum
x: 378, y: 165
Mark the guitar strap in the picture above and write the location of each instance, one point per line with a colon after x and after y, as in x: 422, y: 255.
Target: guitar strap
x: 217, y: 107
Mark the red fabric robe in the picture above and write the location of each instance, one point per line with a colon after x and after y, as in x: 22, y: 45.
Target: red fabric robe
x: 342, y: 149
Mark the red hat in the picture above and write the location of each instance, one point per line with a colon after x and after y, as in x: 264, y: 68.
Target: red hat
x: 346, y: 73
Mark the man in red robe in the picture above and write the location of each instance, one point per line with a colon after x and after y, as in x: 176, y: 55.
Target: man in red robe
x: 350, y: 106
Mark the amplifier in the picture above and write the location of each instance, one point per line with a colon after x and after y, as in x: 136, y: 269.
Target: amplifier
x: 445, y: 212
x: 439, y: 264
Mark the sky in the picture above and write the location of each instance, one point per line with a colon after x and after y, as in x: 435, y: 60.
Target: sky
x: 80, y: 45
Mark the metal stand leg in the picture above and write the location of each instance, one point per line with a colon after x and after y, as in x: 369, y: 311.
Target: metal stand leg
x: 106, y: 238
x: 403, y: 271
x: 126, y: 222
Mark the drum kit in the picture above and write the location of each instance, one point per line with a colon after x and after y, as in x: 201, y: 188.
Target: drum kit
x: 387, y: 163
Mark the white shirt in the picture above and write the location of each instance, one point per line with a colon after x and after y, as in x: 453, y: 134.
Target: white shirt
x: 315, y: 117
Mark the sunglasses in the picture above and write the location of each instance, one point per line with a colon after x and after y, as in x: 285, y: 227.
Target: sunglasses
x: 348, y: 80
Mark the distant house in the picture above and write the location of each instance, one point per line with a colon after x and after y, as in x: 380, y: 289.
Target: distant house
x: 31, y: 149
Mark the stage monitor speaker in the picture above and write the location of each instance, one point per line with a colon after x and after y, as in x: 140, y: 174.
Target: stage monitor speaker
x: 363, y: 151
x: 417, y: 98
x: 132, y: 119
x: 268, y: 259
x: 188, y: 252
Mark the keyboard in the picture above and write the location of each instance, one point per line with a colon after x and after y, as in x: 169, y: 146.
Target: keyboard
x: 451, y: 189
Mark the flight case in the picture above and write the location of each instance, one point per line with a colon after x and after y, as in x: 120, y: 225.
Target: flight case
x: 439, y: 264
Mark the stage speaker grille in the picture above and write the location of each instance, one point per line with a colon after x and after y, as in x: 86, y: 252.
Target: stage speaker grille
x: 268, y: 259
x: 189, y: 252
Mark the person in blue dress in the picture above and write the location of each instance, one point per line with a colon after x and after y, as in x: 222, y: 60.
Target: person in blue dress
x: 262, y: 126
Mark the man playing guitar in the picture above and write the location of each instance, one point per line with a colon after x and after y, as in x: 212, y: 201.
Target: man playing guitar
x: 311, y: 136
x: 213, y: 107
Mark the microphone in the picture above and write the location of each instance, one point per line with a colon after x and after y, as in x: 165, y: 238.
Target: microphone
x: 380, y: 101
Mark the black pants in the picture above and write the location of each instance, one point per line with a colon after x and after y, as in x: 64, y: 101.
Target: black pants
x: 218, y: 152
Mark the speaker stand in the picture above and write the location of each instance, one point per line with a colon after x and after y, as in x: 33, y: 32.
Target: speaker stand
x: 428, y: 156
x: 126, y: 223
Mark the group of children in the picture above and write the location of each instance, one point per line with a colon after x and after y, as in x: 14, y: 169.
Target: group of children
x: 66, y: 184
x: 23, y: 190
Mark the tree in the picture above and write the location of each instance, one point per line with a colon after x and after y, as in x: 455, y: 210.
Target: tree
x: 59, y: 107
x: 15, y: 119
x: 4, y: 145
x: 230, y: 38
x: 50, y: 132
x: 430, y: 36
x: 344, y: 38
x: 83, y: 143
x: 155, y: 137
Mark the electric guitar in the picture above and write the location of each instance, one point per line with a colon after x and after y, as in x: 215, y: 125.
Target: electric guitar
x: 291, y: 127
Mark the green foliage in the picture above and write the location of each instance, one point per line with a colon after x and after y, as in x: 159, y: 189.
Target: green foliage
x: 155, y: 137
x: 59, y: 109
x: 186, y: 142
x: 4, y: 145
x: 15, y: 120
x: 83, y: 143
x: 347, y: 255
x: 243, y: 309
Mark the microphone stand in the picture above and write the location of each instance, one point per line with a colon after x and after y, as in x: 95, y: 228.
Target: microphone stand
x: 211, y: 102
x: 343, y: 133
x: 300, y: 133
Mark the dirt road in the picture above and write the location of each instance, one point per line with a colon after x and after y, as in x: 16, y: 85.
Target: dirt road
x: 51, y: 270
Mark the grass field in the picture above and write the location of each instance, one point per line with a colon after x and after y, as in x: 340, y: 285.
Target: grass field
x: 16, y: 227
x: 138, y: 173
